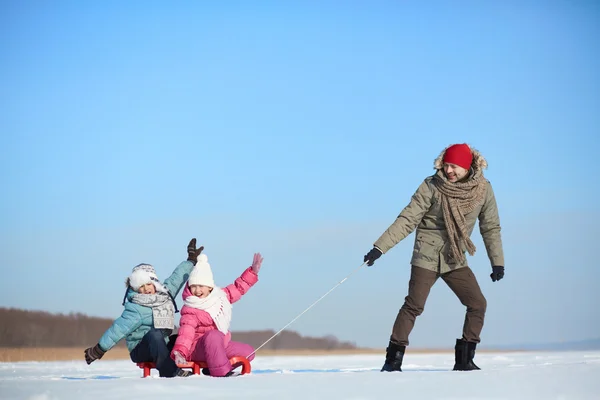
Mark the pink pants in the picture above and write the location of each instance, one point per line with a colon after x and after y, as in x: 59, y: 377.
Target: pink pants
x: 212, y: 350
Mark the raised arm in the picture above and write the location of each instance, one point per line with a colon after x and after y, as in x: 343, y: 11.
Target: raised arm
x: 181, y: 274
x: 248, y: 279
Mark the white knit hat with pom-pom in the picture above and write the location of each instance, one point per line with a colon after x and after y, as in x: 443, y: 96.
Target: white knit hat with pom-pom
x: 143, y: 274
x: 202, y: 274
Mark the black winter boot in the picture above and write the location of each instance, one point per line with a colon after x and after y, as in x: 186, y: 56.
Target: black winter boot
x: 233, y: 372
x: 464, y: 352
x: 183, y: 373
x: 393, y: 358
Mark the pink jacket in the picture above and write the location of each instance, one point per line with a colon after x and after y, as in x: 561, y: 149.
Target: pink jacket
x: 195, y: 323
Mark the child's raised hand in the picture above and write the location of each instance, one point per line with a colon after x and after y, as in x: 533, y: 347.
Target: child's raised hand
x: 256, y: 263
x: 193, y: 252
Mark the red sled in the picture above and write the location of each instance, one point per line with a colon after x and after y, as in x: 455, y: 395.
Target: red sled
x: 197, y: 366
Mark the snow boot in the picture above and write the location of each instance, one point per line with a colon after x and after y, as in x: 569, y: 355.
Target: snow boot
x: 182, y: 373
x: 464, y: 352
x: 393, y: 358
x: 232, y: 373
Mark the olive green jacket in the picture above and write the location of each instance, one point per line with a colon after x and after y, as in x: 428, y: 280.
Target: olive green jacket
x: 432, y: 248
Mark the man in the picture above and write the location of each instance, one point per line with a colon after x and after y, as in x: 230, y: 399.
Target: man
x: 444, y: 210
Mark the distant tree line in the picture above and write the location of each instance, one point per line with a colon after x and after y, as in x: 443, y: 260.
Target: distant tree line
x: 288, y: 340
x: 24, y: 328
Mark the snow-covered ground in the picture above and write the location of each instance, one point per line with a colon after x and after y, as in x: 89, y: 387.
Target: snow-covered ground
x: 527, y: 375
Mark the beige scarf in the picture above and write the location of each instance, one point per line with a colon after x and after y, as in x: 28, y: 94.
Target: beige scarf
x: 163, y: 309
x: 459, y: 199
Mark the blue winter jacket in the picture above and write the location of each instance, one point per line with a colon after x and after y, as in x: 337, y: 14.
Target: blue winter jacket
x: 136, y: 320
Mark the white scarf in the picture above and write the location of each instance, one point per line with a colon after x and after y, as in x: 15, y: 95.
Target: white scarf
x: 216, y: 304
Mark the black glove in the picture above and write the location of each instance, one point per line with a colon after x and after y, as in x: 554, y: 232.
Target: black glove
x: 497, y: 273
x: 372, y: 255
x: 193, y: 252
x: 93, y: 353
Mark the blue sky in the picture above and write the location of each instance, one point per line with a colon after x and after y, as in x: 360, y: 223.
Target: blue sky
x: 299, y: 130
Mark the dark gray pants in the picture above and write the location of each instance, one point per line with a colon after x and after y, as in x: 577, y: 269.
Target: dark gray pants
x: 153, y: 348
x: 461, y: 281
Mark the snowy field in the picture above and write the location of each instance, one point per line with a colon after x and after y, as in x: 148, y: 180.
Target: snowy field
x: 534, y: 375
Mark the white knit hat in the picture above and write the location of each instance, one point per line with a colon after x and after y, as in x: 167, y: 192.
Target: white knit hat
x: 202, y: 274
x: 143, y: 274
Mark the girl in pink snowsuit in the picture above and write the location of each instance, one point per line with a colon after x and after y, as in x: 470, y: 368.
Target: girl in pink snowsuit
x: 206, y: 316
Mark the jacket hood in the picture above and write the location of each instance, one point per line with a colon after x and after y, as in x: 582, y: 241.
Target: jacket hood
x: 186, y: 291
x: 478, y: 165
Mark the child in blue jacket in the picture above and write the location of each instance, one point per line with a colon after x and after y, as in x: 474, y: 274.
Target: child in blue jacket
x: 149, y: 316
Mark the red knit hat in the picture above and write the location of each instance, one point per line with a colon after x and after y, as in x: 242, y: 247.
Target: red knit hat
x: 459, y: 154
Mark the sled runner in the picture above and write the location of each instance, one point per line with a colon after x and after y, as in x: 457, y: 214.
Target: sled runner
x: 197, y: 366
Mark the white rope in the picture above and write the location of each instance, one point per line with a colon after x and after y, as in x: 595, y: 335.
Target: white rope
x: 309, y: 307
